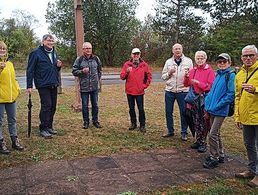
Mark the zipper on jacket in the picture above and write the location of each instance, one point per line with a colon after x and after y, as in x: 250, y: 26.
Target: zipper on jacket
x: 11, y: 85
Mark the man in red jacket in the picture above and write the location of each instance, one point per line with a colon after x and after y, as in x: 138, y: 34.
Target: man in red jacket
x: 138, y: 77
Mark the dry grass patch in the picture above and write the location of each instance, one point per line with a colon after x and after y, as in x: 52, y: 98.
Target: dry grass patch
x: 114, y: 137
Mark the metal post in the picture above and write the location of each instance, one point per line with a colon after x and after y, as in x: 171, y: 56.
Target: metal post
x: 79, y: 30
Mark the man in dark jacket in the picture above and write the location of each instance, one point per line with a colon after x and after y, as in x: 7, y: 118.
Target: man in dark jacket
x: 43, y: 67
x: 138, y: 77
x: 88, y: 69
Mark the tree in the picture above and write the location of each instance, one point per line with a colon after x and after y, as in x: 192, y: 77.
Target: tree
x: 109, y: 26
x: 176, y: 22
x: 18, y: 33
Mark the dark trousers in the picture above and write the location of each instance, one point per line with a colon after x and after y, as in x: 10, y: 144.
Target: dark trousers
x: 85, y: 105
x: 140, y: 104
x: 48, y: 100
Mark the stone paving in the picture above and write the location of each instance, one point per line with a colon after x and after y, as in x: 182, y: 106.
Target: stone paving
x: 115, y: 174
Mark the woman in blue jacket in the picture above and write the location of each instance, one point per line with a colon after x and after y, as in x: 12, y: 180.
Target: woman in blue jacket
x: 217, y: 104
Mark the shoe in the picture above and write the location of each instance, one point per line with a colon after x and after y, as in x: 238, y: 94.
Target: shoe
x: 184, y: 137
x: 132, y: 127
x: 3, y: 148
x: 97, y: 125
x: 85, y: 125
x: 168, y: 135
x: 143, y: 129
x: 211, y: 164
x: 52, y: 131
x: 254, y: 182
x: 202, y: 148
x: 16, y: 144
x: 195, y: 145
x: 45, y: 134
x: 221, y: 159
x: 245, y: 174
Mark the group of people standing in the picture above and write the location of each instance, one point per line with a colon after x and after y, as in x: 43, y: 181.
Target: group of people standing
x: 204, y: 98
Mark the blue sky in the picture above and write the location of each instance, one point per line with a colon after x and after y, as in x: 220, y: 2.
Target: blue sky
x: 38, y: 9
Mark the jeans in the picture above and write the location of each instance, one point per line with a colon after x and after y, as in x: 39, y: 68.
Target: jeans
x: 250, y: 133
x: 140, y: 104
x: 85, y: 105
x: 11, y: 118
x: 48, y: 100
x: 170, y: 98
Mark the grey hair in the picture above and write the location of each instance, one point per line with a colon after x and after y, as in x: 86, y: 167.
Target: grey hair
x: 250, y: 47
x: 202, y: 53
x: 46, y: 36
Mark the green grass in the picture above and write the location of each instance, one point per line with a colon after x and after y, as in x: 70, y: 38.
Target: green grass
x: 73, y: 141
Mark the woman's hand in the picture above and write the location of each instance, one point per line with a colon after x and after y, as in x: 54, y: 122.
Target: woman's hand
x: 195, y: 82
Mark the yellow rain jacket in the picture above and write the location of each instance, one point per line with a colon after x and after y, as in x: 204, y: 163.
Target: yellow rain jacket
x: 246, y: 104
x: 9, y: 87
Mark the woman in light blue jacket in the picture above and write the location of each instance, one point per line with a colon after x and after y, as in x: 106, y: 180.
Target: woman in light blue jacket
x: 217, y: 104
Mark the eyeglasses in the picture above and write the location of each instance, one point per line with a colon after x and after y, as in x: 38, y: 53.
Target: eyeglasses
x: 86, y: 48
x: 50, y: 40
x: 136, y: 53
x: 248, y: 55
x: 222, y: 61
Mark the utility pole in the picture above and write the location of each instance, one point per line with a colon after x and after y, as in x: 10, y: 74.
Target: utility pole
x: 79, y: 30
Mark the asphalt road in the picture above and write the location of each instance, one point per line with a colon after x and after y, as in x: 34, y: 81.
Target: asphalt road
x: 107, y: 79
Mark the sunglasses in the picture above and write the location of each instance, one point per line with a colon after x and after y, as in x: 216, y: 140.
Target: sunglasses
x: 136, y: 53
x: 222, y: 61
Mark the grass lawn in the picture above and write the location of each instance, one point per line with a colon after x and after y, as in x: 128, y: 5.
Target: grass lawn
x: 73, y: 141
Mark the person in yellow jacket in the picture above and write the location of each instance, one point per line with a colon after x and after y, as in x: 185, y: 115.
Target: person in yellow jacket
x: 9, y: 91
x: 246, y: 110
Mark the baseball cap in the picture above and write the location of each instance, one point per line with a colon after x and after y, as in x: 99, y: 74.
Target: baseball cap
x: 224, y: 56
x: 136, y: 50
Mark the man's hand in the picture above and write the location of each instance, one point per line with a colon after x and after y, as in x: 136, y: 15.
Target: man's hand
x: 29, y: 90
x: 171, y: 71
x: 59, y: 63
x: 85, y: 70
x: 239, y: 125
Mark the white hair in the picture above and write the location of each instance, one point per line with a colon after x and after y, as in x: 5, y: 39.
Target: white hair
x: 201, y: 53
x: 250, y: 47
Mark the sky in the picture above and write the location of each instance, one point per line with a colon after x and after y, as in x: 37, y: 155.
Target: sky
x: 38, y: 8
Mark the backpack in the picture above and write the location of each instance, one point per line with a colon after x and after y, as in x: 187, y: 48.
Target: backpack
x: 232, y: 104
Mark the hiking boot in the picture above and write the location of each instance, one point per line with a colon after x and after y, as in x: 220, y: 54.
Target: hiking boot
x: 221, y: 159
x: 3, y: 148
x: 184, y: 137
x: 168, y: 135
x: 132, y: 127
x: 45, y: 134
x: 16, y: 144
x: 210, y: 164
x: 245, y: 174
x: 254, y: 182
x: 52, y: 131
x: 195, y: 145
x: 97, y: 125
x: 85, y: 125
x: 143, y: 129
x: 202, y: 148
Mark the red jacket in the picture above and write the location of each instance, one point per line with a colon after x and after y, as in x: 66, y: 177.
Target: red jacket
x: 138, y: 79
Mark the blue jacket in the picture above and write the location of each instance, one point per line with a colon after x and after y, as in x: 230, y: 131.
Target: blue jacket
x: 220, y: 96
x: 40, y: 69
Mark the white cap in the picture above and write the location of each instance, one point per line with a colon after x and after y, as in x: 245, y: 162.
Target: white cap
x: 136, y: 50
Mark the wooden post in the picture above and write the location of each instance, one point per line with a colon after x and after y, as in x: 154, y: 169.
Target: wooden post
x: 79, y: 30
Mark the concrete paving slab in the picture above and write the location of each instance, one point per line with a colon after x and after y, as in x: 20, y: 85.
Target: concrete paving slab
x: 47, y: 171
x: 110, y: 181
x: 137, y: 162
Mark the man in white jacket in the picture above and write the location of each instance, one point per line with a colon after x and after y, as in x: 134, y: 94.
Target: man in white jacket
x: 173, y: 73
